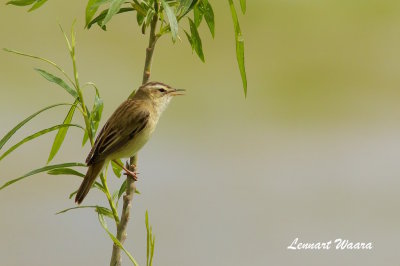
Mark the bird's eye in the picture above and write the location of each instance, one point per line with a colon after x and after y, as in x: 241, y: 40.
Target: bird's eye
x: 162, y: 90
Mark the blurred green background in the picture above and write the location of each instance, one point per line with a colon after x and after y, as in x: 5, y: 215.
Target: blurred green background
x: 313, y: 152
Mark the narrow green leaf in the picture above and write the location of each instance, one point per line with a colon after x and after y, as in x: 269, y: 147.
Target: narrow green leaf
x: 21, y: 2
x: 105, y: 211
x: 95, y: 115
x: 209, y: 17
x: 72, y: 194
x: 185, y: 5
x: 79, y: 207
x: 239, y: 46
x: 141, y: 10
x: 86, y: 136
x: 147, y: 238
x: 150, y: 241
x: 57, y: 80
x: 73, y: 42
x: 39, y: 170
x: 240, y: 59
x: 74, y: 208
x: 38, y: 4
x: 122, y: 189
x: 114, y: 8
x: 144, y: 28
x: 26, y: 120
x: 98, y: 19
x: 243, y: 6
x: 173, y: 23
x: 114, y: 198
x: 152, y: 250
x: 194, y: 3
x: 35, y: 135
x: 196, y: 41
x: 114, y: 239
x: 66, y: 40
x: 65, y: 171
x: 189, y: 39
x: 103, y: 14
x: 140, y: 18
x: 197, y: 15
x: 91, y: 9
x: 116, y: 168
x: 62, y: 132
x: 40, y: 58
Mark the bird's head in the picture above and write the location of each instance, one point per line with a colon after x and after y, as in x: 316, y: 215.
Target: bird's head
x: 159, y: 93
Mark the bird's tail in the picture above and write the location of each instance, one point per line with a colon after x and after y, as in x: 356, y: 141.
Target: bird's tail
x: 88, y: 181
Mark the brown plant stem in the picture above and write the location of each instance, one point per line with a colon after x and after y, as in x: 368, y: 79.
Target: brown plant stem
x: 116, y: 259
x: 150, y: 50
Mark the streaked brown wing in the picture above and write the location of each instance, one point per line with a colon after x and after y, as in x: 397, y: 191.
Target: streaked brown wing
x: 127, y: 121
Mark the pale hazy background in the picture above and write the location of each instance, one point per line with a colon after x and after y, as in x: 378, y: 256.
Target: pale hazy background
x: 313, y: 152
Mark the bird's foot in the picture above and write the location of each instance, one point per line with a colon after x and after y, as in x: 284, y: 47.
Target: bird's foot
x: 132, y: 174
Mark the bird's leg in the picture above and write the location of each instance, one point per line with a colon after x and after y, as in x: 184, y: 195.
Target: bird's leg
x: 128, y: 172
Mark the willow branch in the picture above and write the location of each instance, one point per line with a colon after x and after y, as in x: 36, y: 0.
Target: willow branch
x: 150, y: 50
x: 116, y: 259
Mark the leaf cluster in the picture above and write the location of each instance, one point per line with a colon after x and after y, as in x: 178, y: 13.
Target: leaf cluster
x: 91, y: 118
x: 151, y: 239
x: 72, y: 86
x: 169, y: 13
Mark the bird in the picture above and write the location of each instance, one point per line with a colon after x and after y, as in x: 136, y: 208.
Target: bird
x: 127, y: 131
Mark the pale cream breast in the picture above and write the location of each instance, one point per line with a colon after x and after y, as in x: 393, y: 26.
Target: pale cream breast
x: 136, y: 143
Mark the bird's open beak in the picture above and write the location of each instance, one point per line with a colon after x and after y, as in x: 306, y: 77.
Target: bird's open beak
x: 176, y: 92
